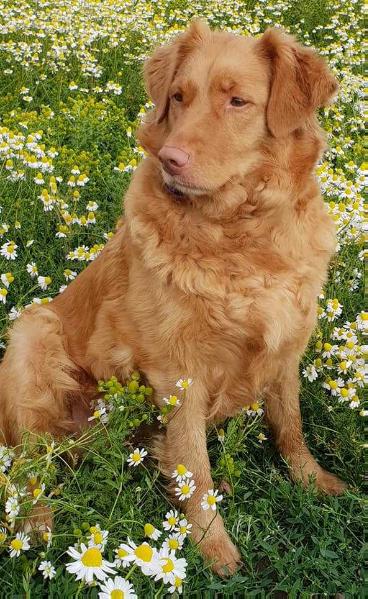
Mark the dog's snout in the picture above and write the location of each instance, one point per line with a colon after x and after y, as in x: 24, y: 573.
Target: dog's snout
x: 173, y: 159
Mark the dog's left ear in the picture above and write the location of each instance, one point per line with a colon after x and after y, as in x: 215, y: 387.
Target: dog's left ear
x: 300, y: 82
x: 161, y: 67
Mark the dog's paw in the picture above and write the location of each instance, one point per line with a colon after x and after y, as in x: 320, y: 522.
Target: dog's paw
x: 222, y: 554
x: 329, y: 483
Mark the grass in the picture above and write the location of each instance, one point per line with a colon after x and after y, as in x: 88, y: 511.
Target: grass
x: 293, y: 542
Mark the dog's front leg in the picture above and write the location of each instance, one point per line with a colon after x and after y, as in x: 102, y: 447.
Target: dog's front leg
x: 283, y: 415
x: 185, y: 443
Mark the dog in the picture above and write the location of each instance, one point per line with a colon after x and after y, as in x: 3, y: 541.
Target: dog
x: 214, y: 271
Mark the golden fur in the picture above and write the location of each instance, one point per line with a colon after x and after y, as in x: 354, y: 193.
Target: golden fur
x: 218, y: 282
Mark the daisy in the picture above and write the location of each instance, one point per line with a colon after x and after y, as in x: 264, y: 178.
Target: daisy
x: 143, y: 555
x: 7, y: 278
x: 185, y: 489
x: 310, y: 373
x: 3, y: 535
x: 47, y: 537
x: 47, y: 569
x: 44, y: 282
x: 261, y: 437
x: 183, y: 528
x: 151, y: 532
x: 3, y: 294
x: 119, y: 588
x: 172, y: 519
x: 210, y: 499
x: 12, y: 508
x: 14, y: 313
x: 120, y: 555
x: 181, y: 473
x: 6, y: 457
x: 88, y: 563
x: 9, y: 250
x: 136, y: 457
x: 183, y: 384
x: 176, y: 586
x: 97, y: 537
x: 32, y: 269
x: 167, y: 566
x: 20, y: 543
x: 173, y: 542
x: 37, y: 492
x: 172, y: 401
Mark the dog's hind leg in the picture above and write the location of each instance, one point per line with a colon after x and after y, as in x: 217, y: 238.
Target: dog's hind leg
x: 37, y: 378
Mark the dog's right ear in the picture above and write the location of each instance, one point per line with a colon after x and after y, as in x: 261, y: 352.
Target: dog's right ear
x: 161, y: 68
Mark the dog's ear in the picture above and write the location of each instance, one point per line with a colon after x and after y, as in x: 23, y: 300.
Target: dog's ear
x: 160, y: 69
x: 300, y: 82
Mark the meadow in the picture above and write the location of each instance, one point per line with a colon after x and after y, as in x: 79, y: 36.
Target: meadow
x: 71, y: 98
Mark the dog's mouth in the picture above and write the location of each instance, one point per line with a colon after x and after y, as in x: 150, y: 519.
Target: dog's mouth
x: 180, y: 189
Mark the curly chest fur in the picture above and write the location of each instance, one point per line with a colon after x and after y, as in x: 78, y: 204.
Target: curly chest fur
x: 229, y: 285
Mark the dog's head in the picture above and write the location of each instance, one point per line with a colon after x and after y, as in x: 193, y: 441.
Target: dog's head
x: 218, y: 96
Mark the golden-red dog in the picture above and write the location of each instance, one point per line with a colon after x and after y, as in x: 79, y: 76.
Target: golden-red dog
x: 214, y: 272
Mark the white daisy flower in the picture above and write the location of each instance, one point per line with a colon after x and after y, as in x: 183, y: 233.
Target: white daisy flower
x: 20, y: 543
x: 183, y: 384
x: 143, y: 555
x: 3, y: 535
x: 176, y: 586
x: 167, y: 567
x: 136, y: 457
x: 151, y: 532
x: 47, y: 537
x: 37, y: 492
x: 172, y: 519
x: 47, y: 569
x: 183, y: 528
x: 6, y: 279
x: 210, y: 500
x: 181, y: 473
x: 88, y: 563
x: 14, y: 313
x: 32, y: 269
x: 97, y: 537
x: 119, y: 588
x: 44, y: 282
x: 9, y: 250
x: 3, y: 294
x: 69, y: 274
x: 171, y: 401
x: 173, y: 542
x: 120, y: 557
x: 12, y: 508
x: 310, y: 373
x: 6, y: 458
x: 185, y: 489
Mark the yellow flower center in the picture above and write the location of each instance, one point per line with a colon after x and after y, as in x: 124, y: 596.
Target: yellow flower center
x: 178, y: 582
x: 149, y: 530
x: 183, y: 530
x: 46, y: 536
x: 37, y: 492
x: 122, y: 553
x: 211, y: 500
x: 144, y: 552
x: 333, y: 384
x: 136, y: 457
x: 16, y: 544
x: 181, y: 469
x: 173, y: 400
x: 168, y: 566
x: 185, y: 489
x: 117, y: 594
x: 2, y: 537
x: 171, y: 520
x: 92, y: 558
x: 173, y: 544
x: 97, y: 537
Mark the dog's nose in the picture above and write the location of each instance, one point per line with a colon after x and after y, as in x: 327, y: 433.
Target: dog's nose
x: 173, y: 159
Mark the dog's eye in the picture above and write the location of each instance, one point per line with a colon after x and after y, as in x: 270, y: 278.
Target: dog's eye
x: 238, y: 102
x: 178, y: 97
